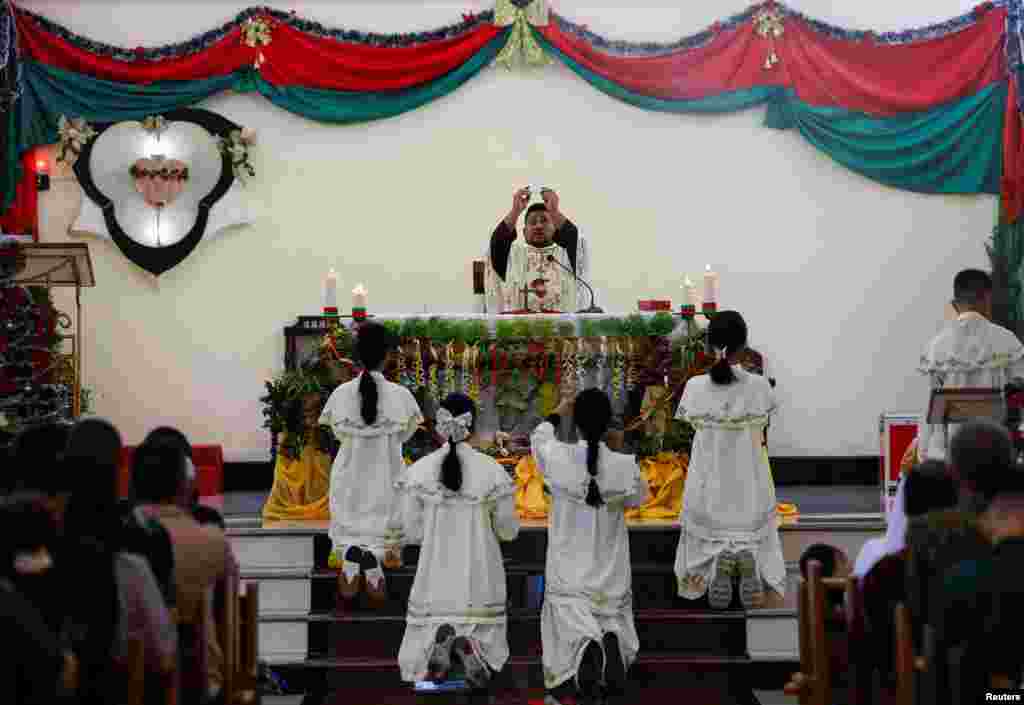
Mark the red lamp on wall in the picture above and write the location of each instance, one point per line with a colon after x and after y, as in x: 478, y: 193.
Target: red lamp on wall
x: 42, y: 164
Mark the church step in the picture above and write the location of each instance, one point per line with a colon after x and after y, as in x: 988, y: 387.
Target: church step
x: 657, y: 545
x: 654, y: 586
x: 713, y: 635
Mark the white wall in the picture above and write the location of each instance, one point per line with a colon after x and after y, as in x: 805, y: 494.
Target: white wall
x: 841, y: 280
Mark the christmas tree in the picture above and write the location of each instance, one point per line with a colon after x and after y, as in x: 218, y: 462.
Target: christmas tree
x: 29, y: 392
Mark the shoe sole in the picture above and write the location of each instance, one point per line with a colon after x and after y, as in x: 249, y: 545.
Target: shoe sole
x: 614, y: 666
x: 349, y: 588
x: 588, y: 677
x: 477, y: 675
x: 377, y: 595
x: 751, y: 593
x: 440, y: 661
x: 720, y: 590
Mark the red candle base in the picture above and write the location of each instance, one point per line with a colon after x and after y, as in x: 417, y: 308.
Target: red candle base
x: 687, y: 310
x: 330, y: 311
x: 359, y: 314
x: 708, y: 308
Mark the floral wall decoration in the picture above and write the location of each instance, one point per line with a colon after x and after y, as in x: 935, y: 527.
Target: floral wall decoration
x: 182, y: 187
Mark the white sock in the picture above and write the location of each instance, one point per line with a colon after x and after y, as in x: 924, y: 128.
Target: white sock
x: 374, y: 577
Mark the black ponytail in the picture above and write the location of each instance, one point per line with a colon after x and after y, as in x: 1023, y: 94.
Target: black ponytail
x: 451, y: 468
x: 721, y: 372
x: 592, y: 414
x: 373, y: 342
x: 727, y: 335
x: 594, y: 498
x: 368, y: 395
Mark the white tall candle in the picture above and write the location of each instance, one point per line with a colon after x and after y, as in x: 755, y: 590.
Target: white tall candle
x: 359, y: 295
x: 710, y: 286
x: 331, y: 290
x: 690, y: 290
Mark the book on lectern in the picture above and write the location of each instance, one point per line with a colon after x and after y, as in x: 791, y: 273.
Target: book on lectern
x: 960, y: 405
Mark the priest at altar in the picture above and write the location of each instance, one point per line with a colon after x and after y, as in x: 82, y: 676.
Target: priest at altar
x: 544, y: 273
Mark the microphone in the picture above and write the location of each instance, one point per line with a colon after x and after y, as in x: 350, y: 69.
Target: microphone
x: 590, y: 309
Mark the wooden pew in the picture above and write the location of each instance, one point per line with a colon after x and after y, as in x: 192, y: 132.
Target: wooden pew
x: 812, y: 685
x: 229, y: 636
x: 135, y: 672
x: 906, y: 662
x: 246, y: 685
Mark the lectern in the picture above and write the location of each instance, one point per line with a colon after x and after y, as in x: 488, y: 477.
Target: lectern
x: 964, y: 404
x: 61, y: 265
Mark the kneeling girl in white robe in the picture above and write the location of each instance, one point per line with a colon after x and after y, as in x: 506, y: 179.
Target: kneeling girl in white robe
x: 458, y: 504
x: 587, y: 629
x: 372, y: 418
x: 728, y: 524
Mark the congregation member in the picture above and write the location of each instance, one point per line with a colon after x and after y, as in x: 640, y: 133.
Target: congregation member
x: 371, y: 417
x: 95, y: 445
x: 980, y: 453
x: 728, y: 525
x: 200, y: 512
x: 38, y: 668
x: 928, y: 488
x: 588, y: 636
x: 117, y: 597
x: 457, y: 503
x: 202, y: 560
x: 979, y: 609
x: 550, y: 264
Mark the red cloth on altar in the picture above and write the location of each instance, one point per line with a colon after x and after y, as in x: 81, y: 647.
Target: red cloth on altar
x: 209, y: 462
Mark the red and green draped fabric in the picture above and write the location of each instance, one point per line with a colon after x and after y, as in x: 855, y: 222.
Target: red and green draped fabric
x: 922, y: 111
x: 325, y: 74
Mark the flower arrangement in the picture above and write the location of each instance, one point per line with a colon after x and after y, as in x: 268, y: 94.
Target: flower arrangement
x: 236, y: 147
x: 256, y: 32
x: 72, y: 135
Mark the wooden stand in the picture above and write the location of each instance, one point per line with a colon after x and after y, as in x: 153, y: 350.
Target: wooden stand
x: 62, y: 265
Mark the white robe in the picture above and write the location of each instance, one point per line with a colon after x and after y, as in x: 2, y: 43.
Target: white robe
x: 729, y: 496
x: 527, y: 263
x: 969, y: 352
x: 588, y: 578
x: 368, y: 464
x: 460, y: 575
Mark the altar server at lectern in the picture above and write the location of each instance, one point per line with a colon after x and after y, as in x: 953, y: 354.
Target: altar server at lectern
x: 372, y: 418
x: 458, y: 504
x: 586, y: 624
x: 728, y: 524
x: 970, y: 351
x: 551, y: 265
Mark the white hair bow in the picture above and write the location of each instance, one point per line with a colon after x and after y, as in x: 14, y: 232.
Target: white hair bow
x: 454, y: 428
x: 719, y: 354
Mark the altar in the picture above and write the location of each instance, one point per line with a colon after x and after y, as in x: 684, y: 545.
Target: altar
x: 517, y: 367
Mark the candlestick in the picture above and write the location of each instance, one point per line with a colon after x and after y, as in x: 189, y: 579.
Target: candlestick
x: 359, y: 298
x: 710, y: 286
x: 331, y: 293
